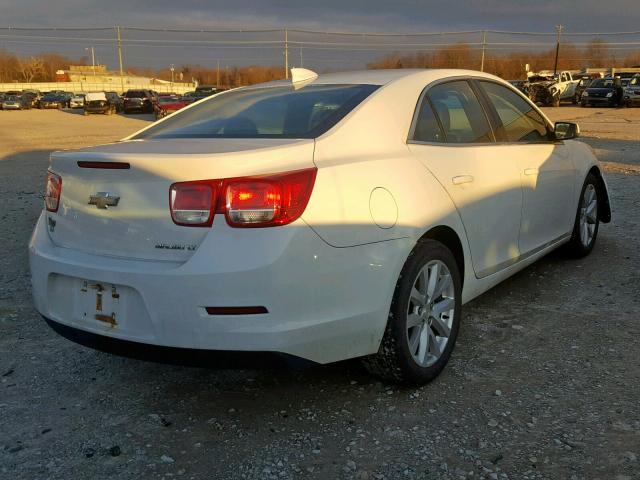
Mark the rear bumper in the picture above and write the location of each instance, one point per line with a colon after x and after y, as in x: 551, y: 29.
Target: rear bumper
x: 177, y: 356
x: 104, y: 109
x: 599, y: 101
x: 324, y: 304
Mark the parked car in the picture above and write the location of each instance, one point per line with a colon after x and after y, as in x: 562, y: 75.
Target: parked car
x: 520, y: 85
x: 327, y: 217
x: 16, y: 102
x: 77, y: 101
x: 32, y: 96
x: 97, y: 102
x: 115, y: 99
x: 168, y: 104
x: 583, y: 83
x: 139, y: 101
x: 53, y: 100
x: 632, y: 92
x: 603, y: 91
x: 206, y: 90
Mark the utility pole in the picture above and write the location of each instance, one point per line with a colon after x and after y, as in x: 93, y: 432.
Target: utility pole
x: 120, y: 59
x: 300, y: 56
x: 93, y: 60
x: 484, y: 46
x: 172, y: 68
x: 218, y: 76
x: 558, y: 33
x: 286, y: 53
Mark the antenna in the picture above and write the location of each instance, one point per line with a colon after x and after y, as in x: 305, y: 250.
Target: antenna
x: 300, y: 75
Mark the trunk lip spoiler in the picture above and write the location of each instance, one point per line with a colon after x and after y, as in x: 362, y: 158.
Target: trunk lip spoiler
x: 104, y: 165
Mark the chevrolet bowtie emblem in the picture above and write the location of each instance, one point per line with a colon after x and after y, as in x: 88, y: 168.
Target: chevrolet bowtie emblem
x: 103, y: 200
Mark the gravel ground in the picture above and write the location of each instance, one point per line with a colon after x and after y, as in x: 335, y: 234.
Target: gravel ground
x: 544, y: 382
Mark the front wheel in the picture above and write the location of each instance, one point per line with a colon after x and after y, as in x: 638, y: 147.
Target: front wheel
x: 424, y: 318
x: 585, y: 227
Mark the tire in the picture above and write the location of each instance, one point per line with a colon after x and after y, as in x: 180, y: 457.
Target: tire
x: 582, y: 243
x: 395, y: 360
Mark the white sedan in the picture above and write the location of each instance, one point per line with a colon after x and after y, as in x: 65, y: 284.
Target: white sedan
x: 324, y: 218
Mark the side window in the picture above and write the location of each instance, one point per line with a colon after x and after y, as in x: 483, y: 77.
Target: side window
x: 520, y: 122
x: 427, y: 128
x: 460, y: 113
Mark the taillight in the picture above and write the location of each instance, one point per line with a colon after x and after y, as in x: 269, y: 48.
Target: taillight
x: 267, y: 200
x: 52, y: 192
x: 193, y: 204
x: 260, y: 201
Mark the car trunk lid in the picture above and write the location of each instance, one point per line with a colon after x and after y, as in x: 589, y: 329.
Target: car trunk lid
x: 115, y: 198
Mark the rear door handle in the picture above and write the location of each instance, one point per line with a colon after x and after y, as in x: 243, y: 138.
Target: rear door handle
x: 460, y: 179
x: 531, y: 171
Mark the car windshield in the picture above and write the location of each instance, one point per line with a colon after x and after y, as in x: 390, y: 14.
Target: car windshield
x: 51, y: 97
x: 604, y: 83
x: 13, y: 98
x: 267, y: 112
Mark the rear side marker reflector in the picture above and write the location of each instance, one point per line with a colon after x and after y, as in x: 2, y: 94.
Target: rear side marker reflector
x: 105, y: 165
x: 236, y: 310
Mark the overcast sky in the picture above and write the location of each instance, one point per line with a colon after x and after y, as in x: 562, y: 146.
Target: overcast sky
x: 386, y: 15
x: 353, y: 15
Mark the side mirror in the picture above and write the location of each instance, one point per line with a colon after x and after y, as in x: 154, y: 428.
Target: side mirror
x: 566, y: 130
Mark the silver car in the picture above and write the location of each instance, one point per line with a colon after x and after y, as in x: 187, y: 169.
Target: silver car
x: 632, y: 92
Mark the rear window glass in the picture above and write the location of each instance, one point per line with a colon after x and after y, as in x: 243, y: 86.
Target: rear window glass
x: 267, y: 112
x: 135, y: 94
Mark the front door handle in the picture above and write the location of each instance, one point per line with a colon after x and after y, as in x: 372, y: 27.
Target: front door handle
x: 460, y: 179
x: 531, y: 171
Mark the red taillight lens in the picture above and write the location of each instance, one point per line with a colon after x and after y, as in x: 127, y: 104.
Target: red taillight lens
x: 261, y: 201
x: 267, y: 200
x: 193, y: 203
x: 52, y: 192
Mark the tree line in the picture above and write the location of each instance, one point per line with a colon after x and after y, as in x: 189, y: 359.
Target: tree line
x: 509, y: 65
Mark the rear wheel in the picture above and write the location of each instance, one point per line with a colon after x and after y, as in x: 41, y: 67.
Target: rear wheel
x: 585, y: 228
x: 424, y: 318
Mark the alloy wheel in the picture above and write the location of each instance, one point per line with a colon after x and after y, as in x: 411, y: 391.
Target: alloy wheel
x: 430, y: 313
x: 588, y: 214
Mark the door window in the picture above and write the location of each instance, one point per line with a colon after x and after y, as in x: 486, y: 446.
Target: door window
x: 460, y: 113
x: 427, y: 128
x: 520, y: 122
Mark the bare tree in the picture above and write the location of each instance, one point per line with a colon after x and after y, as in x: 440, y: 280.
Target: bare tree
x: 30, y: 68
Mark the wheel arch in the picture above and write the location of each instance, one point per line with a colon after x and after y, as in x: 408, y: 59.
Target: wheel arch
x: 450, y: 239
x: 605, y: 212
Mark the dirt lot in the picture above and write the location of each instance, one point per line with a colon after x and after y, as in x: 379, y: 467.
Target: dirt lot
x: 544, y: 382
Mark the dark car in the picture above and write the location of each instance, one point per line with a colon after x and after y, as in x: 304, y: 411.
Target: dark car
x: 206, y: 90
x: 33, y: 96
x: 603, y: 91
x: 53, y: 100
x: 520, y: 85
x: 139, y: 101
x: 98, y: 102
x: 581, y: 87
x: 115, y: 99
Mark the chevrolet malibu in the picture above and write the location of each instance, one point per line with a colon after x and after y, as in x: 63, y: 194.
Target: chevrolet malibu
x: 324, y: 218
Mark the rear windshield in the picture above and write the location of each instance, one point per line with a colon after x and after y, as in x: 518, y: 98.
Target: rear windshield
x: 135, y: 94
x: 267, y: 112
